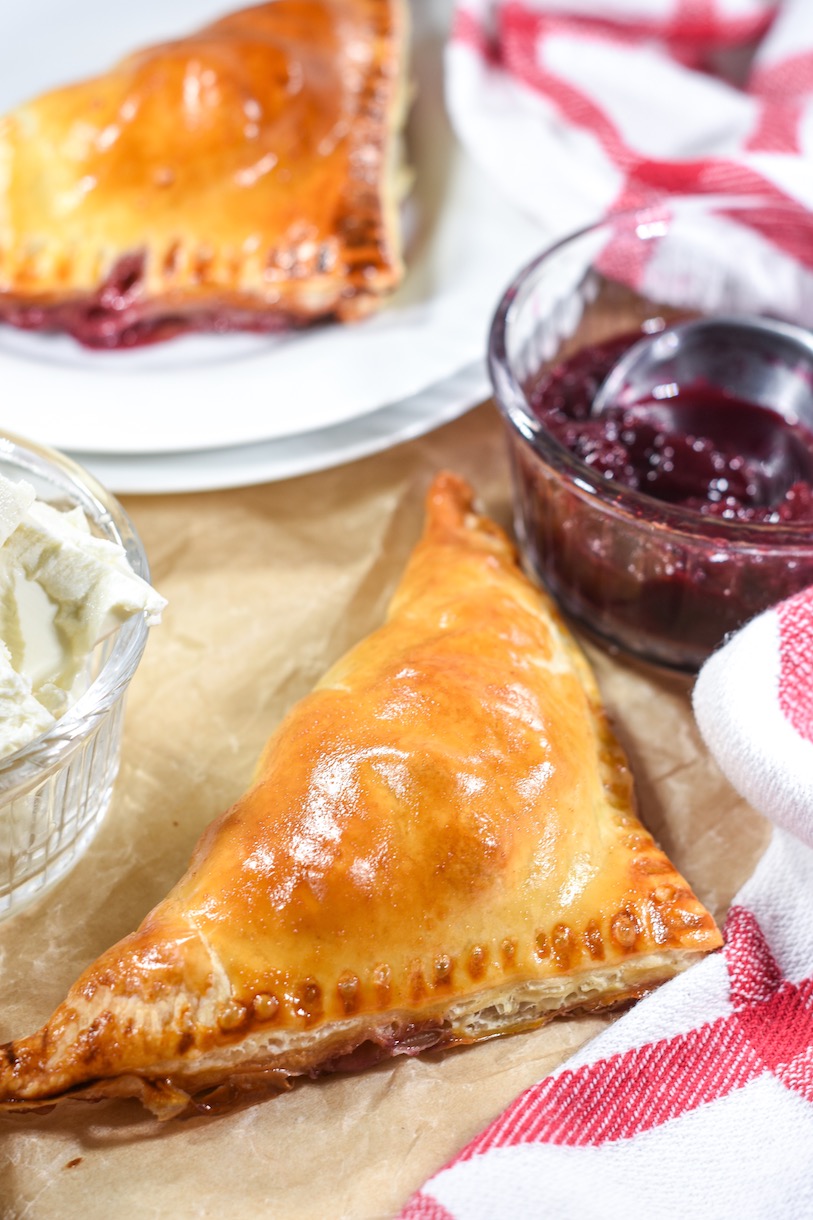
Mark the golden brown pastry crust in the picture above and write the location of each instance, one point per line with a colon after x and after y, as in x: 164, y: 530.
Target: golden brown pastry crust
x: 244, y: 176
x: 440, y: 845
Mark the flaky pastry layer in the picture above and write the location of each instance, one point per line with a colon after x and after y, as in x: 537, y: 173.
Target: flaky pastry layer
x: 265, y: 1062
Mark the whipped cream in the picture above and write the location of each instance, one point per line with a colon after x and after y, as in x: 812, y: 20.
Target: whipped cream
x: 62, y: 590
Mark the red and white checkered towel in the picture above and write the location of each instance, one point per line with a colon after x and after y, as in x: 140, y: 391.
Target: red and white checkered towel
x: 699, y: 1101
x: 581, y: 107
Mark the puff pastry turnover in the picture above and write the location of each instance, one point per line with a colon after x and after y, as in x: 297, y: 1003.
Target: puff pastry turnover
x: 245, y: 177
x: 440, y: 845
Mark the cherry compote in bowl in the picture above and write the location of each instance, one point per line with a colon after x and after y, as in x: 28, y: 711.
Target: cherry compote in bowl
x: 660, y: 530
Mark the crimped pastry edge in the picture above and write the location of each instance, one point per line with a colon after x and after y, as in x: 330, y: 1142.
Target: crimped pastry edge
x: 265, y: 1060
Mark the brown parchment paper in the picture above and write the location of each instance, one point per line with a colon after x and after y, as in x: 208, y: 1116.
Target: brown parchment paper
x: 266, y: 587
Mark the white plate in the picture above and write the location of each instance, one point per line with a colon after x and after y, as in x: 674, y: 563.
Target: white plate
x: 267, y: 461
x: 204, y: 392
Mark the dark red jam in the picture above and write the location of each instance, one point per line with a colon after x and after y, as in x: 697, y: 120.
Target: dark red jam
x: 116, y: 316
x: 666, y: 590
x: 702, y: 448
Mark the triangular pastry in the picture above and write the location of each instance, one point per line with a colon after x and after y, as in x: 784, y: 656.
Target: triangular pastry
x: 244, y: 177
x: 440, y: 845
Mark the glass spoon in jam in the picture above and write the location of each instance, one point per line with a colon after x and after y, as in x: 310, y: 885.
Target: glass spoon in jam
x: 730, y: 400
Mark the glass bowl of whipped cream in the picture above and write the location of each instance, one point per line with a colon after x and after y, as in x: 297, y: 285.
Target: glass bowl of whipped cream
x: 75, y: 610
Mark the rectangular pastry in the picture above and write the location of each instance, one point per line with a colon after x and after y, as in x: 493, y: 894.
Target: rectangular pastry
x: 243, y: 177
x: 440, y: 846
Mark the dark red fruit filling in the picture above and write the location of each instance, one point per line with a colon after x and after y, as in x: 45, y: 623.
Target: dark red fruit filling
x: 702, y: 448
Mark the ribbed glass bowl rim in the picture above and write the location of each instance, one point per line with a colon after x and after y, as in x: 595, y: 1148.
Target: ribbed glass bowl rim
x: 48, y: 753
x: 635, y: 506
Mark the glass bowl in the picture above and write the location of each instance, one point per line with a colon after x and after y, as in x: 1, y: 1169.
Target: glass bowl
x: 55, y: 790
x: 657, y: 580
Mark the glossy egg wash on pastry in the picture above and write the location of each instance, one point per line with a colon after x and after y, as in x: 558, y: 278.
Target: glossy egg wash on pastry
x: 440, y: 846
x: 245, y: 177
